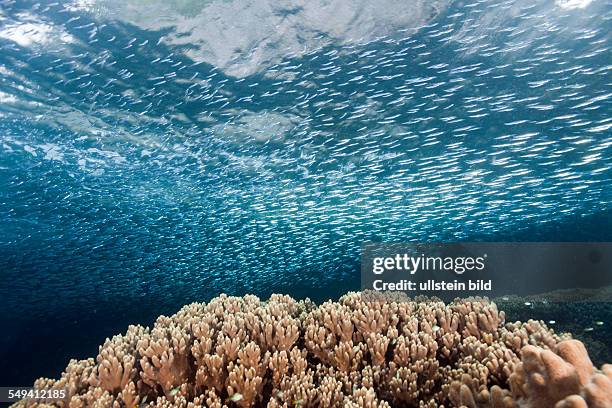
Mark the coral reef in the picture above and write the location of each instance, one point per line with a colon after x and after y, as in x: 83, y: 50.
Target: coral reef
x: 365, y: 350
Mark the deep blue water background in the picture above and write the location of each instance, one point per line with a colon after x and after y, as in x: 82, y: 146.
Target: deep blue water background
x: 136, y: 178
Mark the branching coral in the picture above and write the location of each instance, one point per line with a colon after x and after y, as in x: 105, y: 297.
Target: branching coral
x: 365, y: 350
x: 561, y: 379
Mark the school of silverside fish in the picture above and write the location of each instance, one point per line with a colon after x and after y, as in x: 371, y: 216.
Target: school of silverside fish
x: 157, y: 147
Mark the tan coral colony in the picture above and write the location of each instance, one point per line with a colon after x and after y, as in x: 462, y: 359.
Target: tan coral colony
x: 365, y: 350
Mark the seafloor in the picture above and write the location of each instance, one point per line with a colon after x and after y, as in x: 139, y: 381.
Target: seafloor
x: 365, y: 350
x: 586, y: 314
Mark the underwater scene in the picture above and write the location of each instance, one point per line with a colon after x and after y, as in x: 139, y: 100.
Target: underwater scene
x: 188, y: 189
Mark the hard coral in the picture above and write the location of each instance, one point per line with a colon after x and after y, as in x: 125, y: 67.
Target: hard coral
x: 564, y: 378
x: 366, y: 350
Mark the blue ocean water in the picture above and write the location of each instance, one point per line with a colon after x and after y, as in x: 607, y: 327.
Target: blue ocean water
x: 158, y: 153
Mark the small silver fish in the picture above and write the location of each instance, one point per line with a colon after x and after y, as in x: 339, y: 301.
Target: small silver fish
x: 236, y: 397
